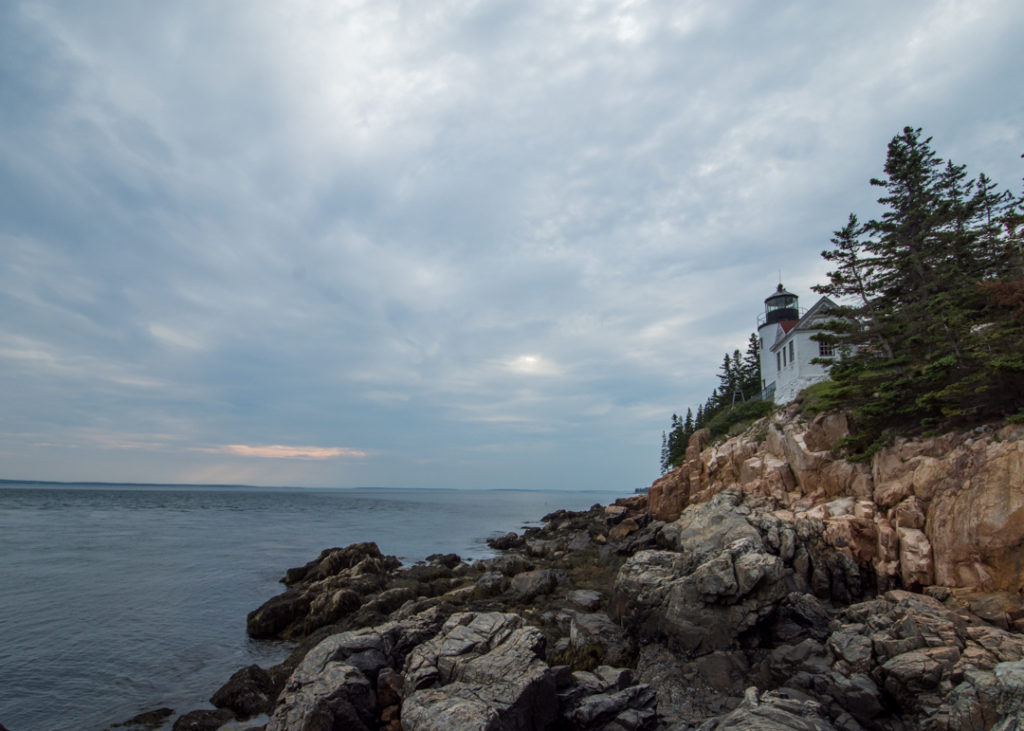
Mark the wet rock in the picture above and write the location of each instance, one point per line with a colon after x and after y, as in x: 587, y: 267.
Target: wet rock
x: 249, y: 692
x: 505, y: 542
x: 146, y: 720
x: 277, y: 614
x: 448, y: 560
x: 203, y: 720
x: 331, y: 562
x: 326, y: 591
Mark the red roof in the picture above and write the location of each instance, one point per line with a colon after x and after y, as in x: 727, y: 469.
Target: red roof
x: 787, y: 325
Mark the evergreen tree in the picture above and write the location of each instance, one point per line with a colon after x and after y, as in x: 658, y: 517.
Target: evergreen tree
x: 727, y: 382
x: 739, y: 380
x: 930, y: 348
x: 858, y: 324
x: 752, y: 366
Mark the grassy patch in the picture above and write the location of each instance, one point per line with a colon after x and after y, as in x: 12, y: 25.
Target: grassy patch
x: 735, y: 419
x: 818, y: 398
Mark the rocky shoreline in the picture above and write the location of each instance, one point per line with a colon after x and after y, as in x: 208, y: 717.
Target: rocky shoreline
x: 764, y: 584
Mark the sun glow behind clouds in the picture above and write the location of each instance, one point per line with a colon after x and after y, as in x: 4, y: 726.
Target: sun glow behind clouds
x: 533, y: 365
x: 280, y: 451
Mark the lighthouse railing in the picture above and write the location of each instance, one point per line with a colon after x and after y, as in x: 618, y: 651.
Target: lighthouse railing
x: 764, y: 316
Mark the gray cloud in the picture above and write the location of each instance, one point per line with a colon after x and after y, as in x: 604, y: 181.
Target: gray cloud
x: 486, y: 245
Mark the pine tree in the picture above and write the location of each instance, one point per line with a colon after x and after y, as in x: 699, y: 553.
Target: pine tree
x: 751, y: 368
x: 726, y: 382
x: 739, y: 379
x: 860, y: 324
x: 916, y: 306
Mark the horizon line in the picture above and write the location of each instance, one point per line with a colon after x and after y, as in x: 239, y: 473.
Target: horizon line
x: 100, y: 483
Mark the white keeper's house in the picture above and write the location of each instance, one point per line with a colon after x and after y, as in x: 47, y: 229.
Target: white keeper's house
x: 786, y: 346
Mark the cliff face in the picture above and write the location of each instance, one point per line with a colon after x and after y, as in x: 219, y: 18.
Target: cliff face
x: 945, y: 511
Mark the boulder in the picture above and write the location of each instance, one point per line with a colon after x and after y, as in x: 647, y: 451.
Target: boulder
x: 491, y: 583
x: 275, y: 615
x: 249, y: 692
x: 623, y: 528
x: 331, y: 687
x: 337, y: 695
x: 507, y: 564
x: 707, y: 607
x: 734, y: 561
x: 327, y: 590
x: 482, y: 671
x: 703, y: 530
x: 332, y: 561
x: 585, y: 598
x: 774, y: 711
x: 631, y: 708
x: 505, y: 542
x: 594, y: 636
x: 531, y: 584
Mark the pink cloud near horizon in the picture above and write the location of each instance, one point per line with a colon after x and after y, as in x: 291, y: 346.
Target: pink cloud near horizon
x: 280, y: 451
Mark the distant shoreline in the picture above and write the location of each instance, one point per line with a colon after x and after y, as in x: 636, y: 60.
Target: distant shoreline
x: 193, y: 485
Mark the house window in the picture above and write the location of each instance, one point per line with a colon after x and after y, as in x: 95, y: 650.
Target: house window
x: 826, y: 350
x: 778, y: 361
x: 791, y: 358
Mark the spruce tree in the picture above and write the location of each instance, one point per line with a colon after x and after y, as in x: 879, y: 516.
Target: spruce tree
x: 751, y: 368
x: 916, y: 304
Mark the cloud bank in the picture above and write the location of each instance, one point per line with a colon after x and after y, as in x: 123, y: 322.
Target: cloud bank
x: 482, y: 244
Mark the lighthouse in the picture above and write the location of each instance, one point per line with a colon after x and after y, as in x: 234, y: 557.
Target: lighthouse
x: 787, y: 345
x: 781, y: 306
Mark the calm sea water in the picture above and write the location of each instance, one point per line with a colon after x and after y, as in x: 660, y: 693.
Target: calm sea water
x: 118, y: 599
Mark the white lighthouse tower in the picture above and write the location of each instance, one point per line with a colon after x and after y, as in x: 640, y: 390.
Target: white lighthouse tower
x: 787, y: 348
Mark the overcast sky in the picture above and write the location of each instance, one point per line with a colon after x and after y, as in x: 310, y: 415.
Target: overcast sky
x: 437, y: 244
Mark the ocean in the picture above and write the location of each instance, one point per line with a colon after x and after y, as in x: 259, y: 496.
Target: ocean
x: 116, y: 599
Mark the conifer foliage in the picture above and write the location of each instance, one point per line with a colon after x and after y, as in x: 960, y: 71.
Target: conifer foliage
x: 739, y: 380
x: 932, y: 320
